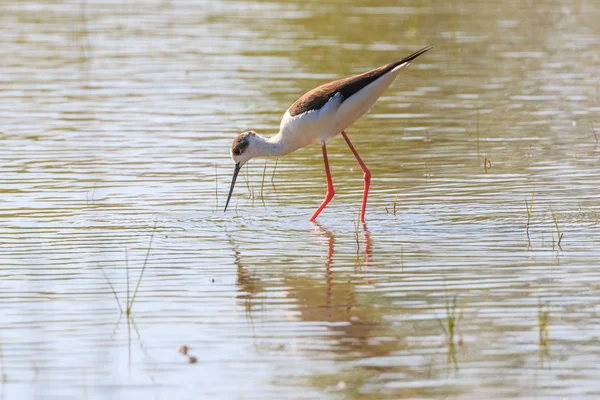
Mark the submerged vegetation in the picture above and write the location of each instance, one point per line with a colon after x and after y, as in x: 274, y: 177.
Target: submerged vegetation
x: 487, y: 164
x: 453, y: 317
x: 393, y: 211
x: 543, y: 324
x: 90, y: 200
x: 262, y: 183
x: 274, y: 170
x: 559, y: 234
x: 130, y: 301
x: 454, y: 314
x: 250, y: 186
x: 529, y: 207
x: 555, y: 233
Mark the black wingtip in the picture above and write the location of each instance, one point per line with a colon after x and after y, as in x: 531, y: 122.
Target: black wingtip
x: 414, y: 55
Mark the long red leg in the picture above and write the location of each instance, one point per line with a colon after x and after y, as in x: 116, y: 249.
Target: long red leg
x: 330, y: 190
x: 366, y: 177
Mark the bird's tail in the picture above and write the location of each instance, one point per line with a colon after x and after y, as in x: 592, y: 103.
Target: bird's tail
x: 408, y: 59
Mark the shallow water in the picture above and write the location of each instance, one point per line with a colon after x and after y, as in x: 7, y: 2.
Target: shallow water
x: 115, y: 125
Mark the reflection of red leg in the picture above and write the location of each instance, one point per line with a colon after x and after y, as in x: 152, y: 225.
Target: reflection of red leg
x: 366, y: 177
x: 330, y: 190
x: 330, y: 252
x: 329, y: 277
x: 367, y: 244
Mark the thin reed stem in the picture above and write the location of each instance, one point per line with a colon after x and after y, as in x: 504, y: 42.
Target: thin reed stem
x: 137, y: 286
x: 112, y: 288
x: 262, y: 183
x: 274, y: 169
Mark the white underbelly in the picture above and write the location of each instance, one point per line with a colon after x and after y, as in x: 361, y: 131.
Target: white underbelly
x: 312, y: 126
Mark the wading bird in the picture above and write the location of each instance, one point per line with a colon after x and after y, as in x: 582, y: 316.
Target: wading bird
x: 320, y: 115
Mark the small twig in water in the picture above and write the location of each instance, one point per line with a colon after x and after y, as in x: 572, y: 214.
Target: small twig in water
x: 96, y: 183
x: 137, y: 286
x: 487, y: 164
x: 529, y: 207
x: 247, y: 179
x: 274, y: 169
x: 87, y: 197
x: 262, y: 183
x: 559, y: 234
x: 387, y: 210
x: 112, y: 288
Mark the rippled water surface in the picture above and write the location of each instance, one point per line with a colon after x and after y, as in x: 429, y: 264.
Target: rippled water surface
x: 116, y: 119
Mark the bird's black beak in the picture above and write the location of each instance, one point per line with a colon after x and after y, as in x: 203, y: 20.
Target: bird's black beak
x: 235, y: 174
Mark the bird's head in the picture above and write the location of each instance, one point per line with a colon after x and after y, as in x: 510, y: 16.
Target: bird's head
x: 245, y: 146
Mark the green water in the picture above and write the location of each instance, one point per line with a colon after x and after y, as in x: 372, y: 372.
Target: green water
x: 116, y: 117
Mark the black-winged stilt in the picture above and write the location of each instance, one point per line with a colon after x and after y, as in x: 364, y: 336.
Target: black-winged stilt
x: 320, y: 115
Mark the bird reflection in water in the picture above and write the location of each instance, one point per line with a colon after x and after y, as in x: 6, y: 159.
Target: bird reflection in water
x: 249, y: 284
x: 367, y: 254
x: 329, y: 297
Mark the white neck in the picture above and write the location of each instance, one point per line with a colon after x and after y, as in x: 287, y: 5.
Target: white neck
x: 271, y: 147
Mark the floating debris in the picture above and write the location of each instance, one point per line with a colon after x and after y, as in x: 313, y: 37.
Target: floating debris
x: 184, y: 351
